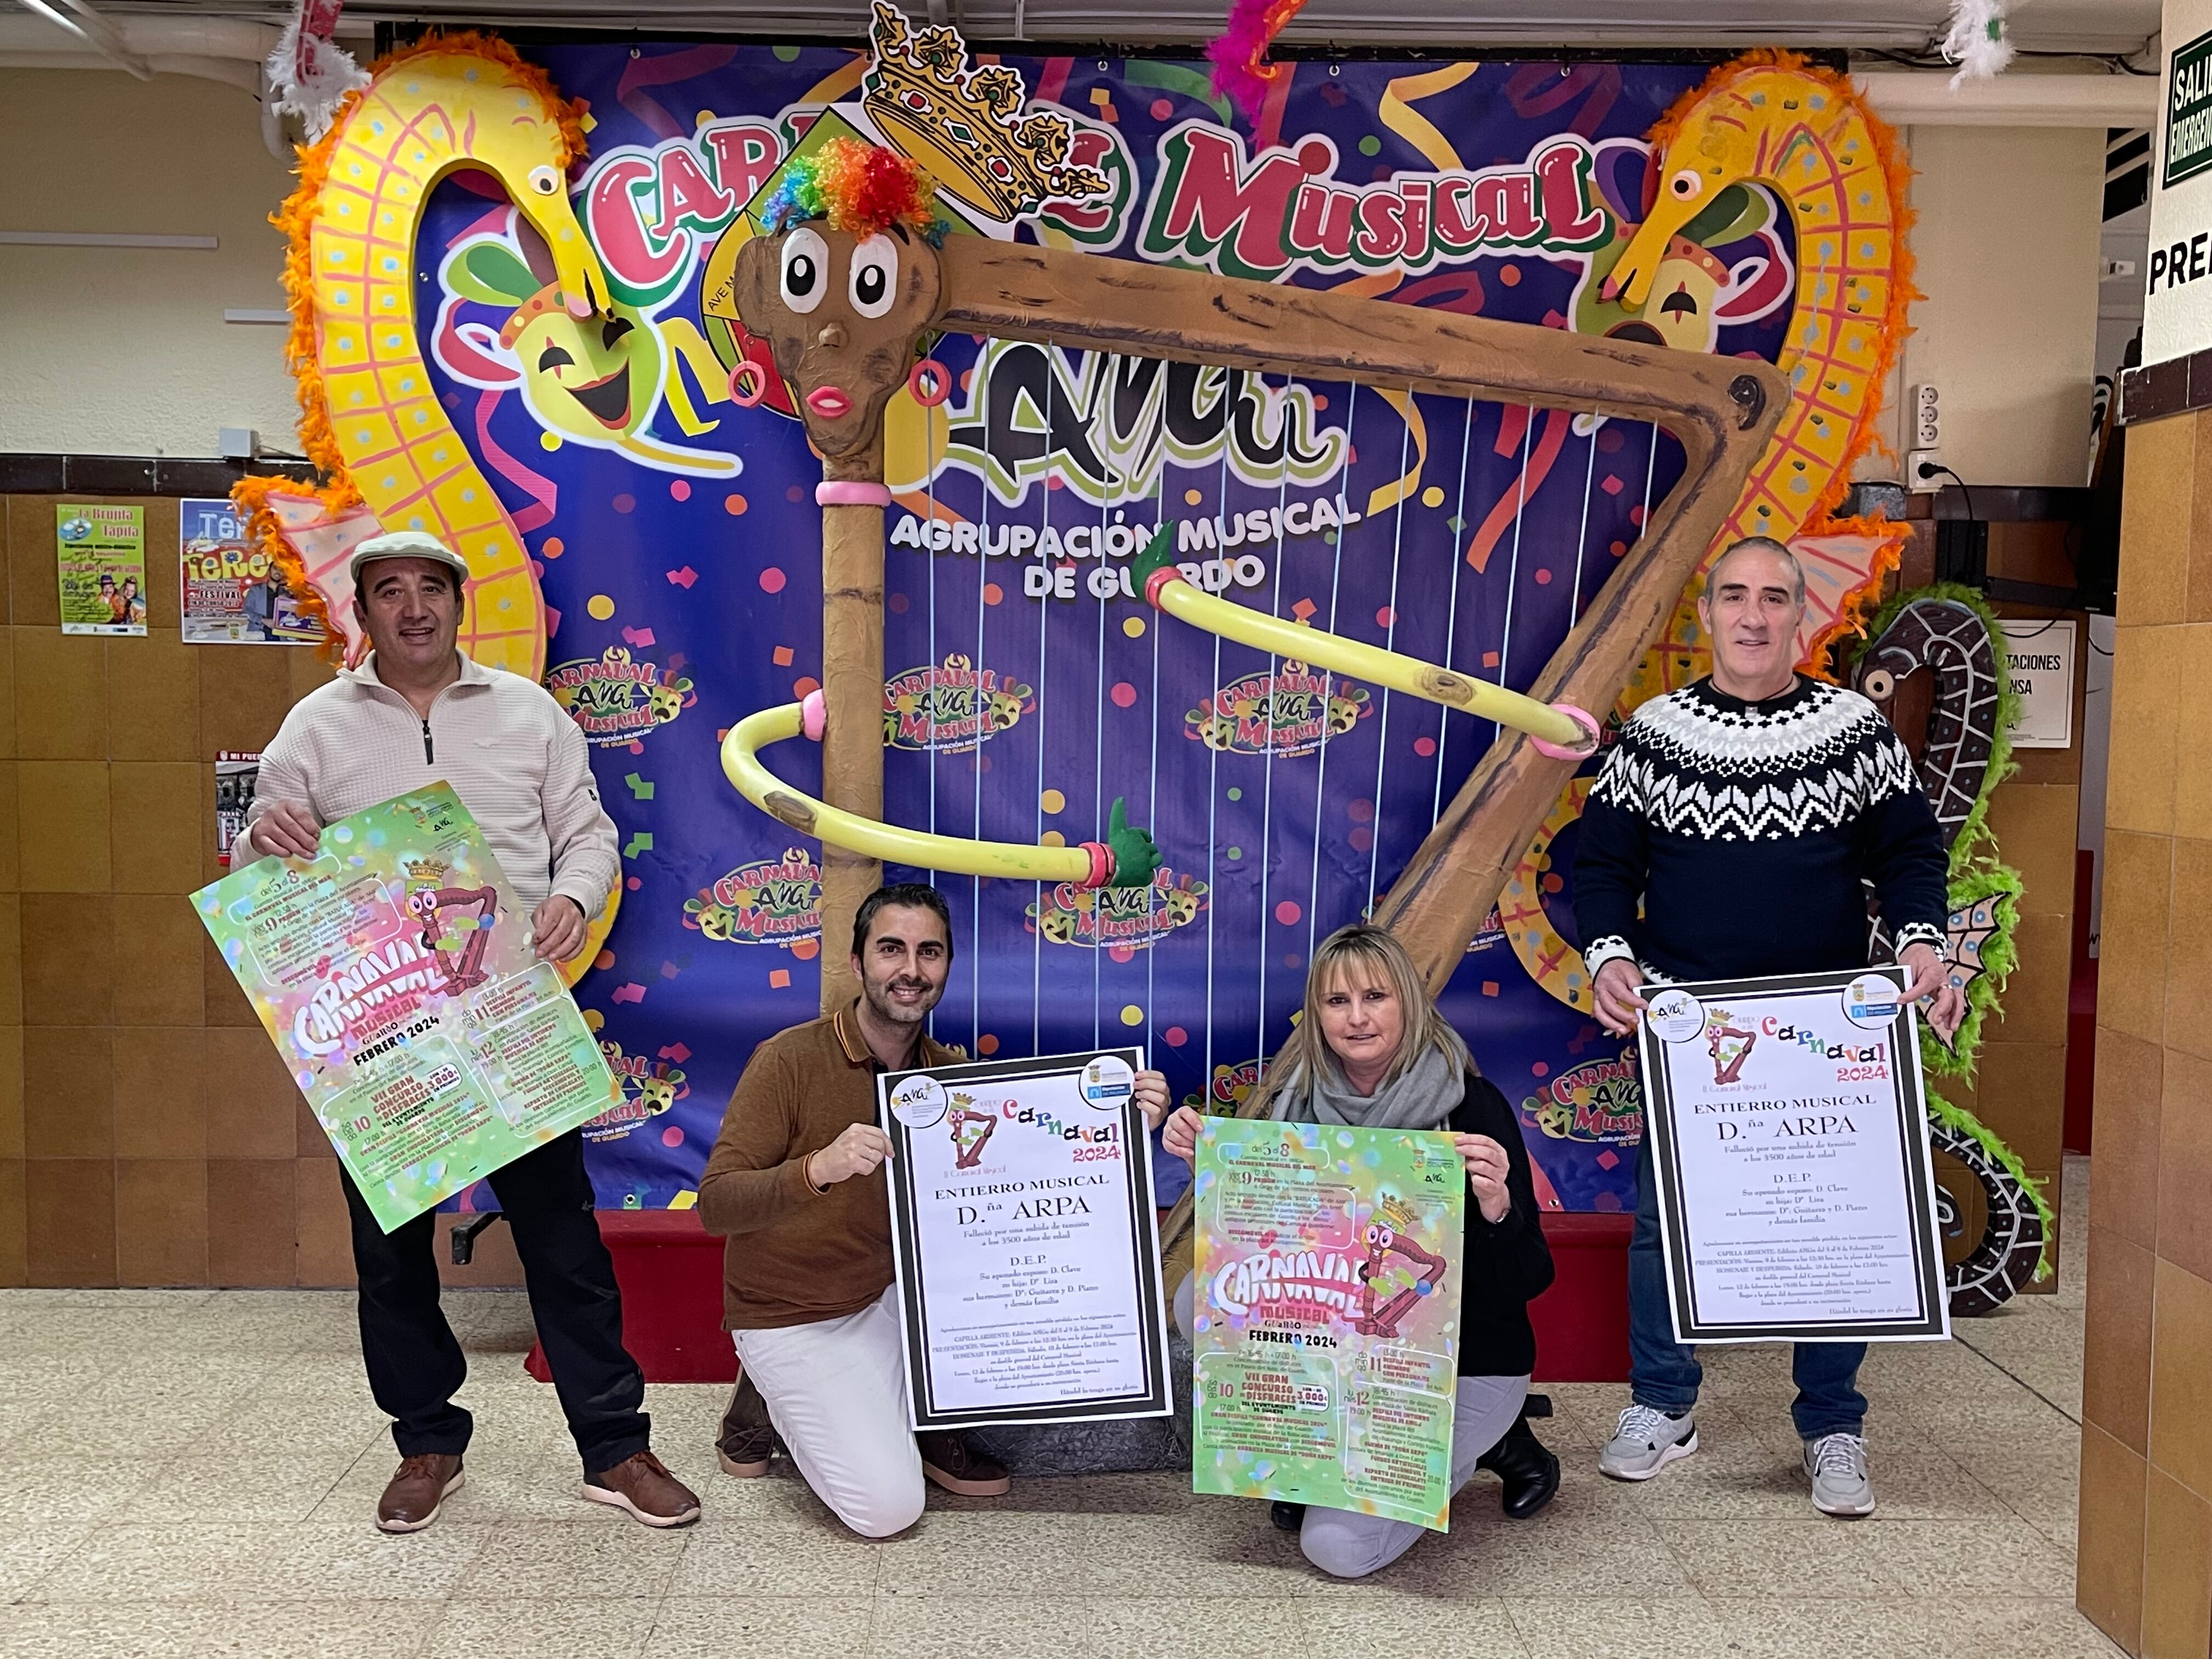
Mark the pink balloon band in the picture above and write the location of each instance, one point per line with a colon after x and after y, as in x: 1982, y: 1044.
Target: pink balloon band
x: 1101, y: 864
x: 1580, y: 717
x: 851, y: 492
x: 813, y: 716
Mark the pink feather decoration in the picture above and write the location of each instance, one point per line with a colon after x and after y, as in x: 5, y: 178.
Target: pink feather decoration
x: 1238, y: 53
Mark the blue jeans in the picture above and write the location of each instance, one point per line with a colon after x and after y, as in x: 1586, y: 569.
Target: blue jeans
x: 1665, y: 1373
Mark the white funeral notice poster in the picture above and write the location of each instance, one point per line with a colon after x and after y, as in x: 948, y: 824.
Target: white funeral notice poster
x: 1025, y: 1241
x: 1797, y: 1200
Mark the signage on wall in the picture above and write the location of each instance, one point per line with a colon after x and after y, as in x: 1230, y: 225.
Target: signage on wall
x: 230, y: 591
x: 2039, y: 663
x: 2187, y: 147
x: 2178, y: 278
x: 100, y: 551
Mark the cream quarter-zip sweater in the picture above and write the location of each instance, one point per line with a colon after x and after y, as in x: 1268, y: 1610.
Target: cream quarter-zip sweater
x: 519, y: 764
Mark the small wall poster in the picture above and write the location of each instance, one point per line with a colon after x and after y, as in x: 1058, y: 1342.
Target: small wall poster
x: 101, y: 556
x: 2039, y: 662
x: 236, y: 772
x: 232, y: 592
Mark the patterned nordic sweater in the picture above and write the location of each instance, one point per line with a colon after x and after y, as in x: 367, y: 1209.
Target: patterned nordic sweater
x: 1745, y: 829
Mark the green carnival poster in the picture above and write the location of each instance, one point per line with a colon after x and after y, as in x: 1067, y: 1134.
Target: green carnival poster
x: 101, y: 553
x: 1327, y: 1316
x: 393, y: 973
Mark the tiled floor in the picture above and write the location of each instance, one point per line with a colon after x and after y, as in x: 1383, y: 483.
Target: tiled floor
x: 193, y: 1472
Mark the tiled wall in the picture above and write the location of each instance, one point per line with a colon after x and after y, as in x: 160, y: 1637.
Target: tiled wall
x: 2145, y: 1570
x: 149, y: 1133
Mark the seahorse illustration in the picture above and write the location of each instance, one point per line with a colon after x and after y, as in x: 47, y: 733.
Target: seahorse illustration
x: 369, y: 416
x: 1768, y: 118
x: 1952, y: 640
x: 1772, y: 118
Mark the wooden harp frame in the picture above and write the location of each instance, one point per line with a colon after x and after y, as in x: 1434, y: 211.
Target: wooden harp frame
x: 1722, y: 411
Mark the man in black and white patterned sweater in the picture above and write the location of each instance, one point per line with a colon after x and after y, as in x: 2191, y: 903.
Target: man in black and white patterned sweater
x: 1730, y: 834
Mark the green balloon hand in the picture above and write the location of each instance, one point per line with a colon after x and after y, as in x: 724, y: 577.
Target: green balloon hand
x: 1135, y: 858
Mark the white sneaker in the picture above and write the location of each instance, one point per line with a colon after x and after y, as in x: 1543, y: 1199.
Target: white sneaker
x: 1645, y: 1441
x: 1837, y: 1466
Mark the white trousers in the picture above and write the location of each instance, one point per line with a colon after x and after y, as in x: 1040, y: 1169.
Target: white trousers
x: 836, y: 1393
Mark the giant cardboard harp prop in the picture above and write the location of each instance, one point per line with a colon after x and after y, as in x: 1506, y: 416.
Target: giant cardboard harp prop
x: 845, y: 285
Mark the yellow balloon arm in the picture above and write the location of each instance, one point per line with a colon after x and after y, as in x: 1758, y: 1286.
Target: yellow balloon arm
x: 741, y: 762
x: 1170, y: 591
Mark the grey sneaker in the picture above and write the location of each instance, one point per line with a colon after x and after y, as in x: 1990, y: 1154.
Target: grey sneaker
x: 1837, y: 1466
x: 1645, y: 1441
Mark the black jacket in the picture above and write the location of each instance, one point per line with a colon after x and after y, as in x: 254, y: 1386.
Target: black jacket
x: 1506, y: 1265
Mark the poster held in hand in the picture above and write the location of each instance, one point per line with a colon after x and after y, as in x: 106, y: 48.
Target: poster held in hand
x: 1326, y: 1306
x: 1025, y: 1241
x: 1789, y: 1143
x: 394, y: 973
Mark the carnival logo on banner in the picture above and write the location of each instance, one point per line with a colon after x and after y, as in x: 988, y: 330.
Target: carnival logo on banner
x: 1288, y: 714
x: 616, y: 699
x: 1214, y: 206
x: 1230, y: 1087
x: 1118, y: 918
x: 1601, y: 1100
x: 773, y: 901
x: 650, y: 1087
x: 652, y: 212
x: 952, y: 709
x: 1104, y: 423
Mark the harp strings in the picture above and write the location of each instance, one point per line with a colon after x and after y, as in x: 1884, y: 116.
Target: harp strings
x: 1044, y: 697
x: 1389, y: 638
x: 1321, y: 778
x: 1462, y: 637
x: 1267, y: 718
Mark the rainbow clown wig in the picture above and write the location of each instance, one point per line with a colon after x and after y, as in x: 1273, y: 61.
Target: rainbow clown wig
x: 861, y: 188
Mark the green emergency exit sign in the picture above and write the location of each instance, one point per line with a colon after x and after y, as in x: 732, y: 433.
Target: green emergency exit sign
x: 2189, y: 112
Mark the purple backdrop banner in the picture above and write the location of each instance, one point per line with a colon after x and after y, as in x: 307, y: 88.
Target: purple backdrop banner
x: 1028, y: 686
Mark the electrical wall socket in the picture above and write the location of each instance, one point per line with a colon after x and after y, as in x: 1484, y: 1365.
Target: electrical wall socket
x: 1926, y: 429
x: 238, y: 443
x: 1918, y: 482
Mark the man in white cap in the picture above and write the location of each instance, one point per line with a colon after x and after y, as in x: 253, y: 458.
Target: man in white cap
x: 418, y: 711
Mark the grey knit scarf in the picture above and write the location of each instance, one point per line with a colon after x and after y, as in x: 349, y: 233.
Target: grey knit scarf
x: 1424, y: 1096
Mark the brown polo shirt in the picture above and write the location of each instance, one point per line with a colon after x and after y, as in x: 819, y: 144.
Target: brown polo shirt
x: 794, y: 1256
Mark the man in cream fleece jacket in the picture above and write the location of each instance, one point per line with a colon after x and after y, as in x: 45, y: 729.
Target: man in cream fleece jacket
x: 418, y: 711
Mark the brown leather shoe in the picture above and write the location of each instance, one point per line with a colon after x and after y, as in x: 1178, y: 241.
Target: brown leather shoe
x: 747, y: 1440
x: 417, y: 1490
x: 643, y: 1485
x: 951, y: 1462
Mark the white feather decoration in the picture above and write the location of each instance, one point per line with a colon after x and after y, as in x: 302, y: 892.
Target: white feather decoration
x: 309, y: 73
x: 1977, y: 41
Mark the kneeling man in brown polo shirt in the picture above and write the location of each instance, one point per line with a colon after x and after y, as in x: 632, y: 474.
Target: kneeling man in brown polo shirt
x: 796, y: 1186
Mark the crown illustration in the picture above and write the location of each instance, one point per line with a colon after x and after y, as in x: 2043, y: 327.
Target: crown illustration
x: 964, y: 126
x: 432, y: 871
x: 1397, y: 1212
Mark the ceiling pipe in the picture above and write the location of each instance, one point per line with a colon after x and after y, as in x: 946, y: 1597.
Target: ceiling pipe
x: 87, y: 27
x: 1907, y: 98
x: 228, y: 50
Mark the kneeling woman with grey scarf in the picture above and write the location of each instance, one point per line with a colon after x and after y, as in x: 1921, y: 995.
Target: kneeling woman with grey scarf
x: 1372, y: 1052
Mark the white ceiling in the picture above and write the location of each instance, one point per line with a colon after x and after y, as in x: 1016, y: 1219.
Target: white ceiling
x: 2093, y: 26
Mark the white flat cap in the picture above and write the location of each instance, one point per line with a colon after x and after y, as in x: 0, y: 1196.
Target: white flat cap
x: 407, y: 544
